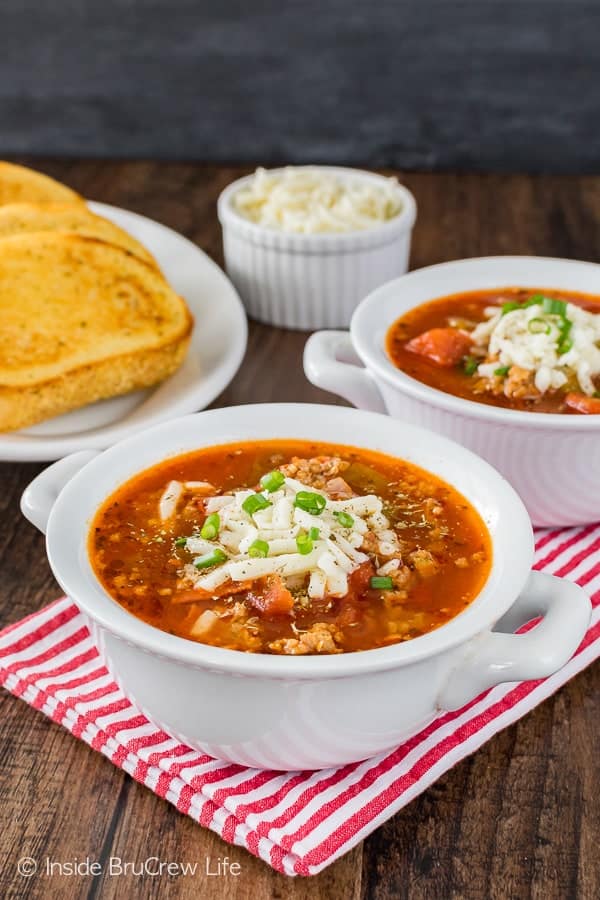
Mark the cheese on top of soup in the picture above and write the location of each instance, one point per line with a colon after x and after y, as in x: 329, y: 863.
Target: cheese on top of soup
x: 556, y: 340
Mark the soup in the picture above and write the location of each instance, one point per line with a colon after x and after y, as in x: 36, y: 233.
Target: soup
x: 518, y: 348
x: 290, y: 547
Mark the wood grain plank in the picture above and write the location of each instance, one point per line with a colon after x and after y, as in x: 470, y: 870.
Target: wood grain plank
x: 58, y: 800
x: 149, y: 827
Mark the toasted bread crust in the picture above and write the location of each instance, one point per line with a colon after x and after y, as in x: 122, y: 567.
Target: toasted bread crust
x: 40, y: 323
x: 21, y: 407
x: 81, y: 320
x: 71, y: 218
x: 18, y: 184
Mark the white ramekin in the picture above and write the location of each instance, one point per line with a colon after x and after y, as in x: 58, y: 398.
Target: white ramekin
x: 310, y: 712
x: 309, y: 281
x: 552, y: 460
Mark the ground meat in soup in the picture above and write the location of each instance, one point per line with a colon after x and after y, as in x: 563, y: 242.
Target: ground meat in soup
x: 291, y: 548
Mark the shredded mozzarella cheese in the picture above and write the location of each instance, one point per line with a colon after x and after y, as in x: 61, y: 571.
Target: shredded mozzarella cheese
x: 169, y: 500
x: 332, y: 556
x: 310, y: 201
x: 512, y: 339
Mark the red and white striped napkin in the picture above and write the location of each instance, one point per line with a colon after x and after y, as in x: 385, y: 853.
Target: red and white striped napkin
x: 297, y: 822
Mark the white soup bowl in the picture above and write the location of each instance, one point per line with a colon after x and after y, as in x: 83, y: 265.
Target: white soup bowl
x: 553, y: 460
x: 286, y: 712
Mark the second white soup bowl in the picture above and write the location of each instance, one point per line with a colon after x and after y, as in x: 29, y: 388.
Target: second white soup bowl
x: 553, y: 460
x: 310, y: 712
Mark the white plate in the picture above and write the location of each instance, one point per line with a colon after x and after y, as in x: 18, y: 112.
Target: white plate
x: 216, y: 351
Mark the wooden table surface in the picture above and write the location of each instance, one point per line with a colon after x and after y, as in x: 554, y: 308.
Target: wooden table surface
x: 519, y: 819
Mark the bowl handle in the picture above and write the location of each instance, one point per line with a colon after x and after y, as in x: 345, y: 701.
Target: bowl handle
x: 493, y: 658
x: 331, y: 363
x: 39, y: 497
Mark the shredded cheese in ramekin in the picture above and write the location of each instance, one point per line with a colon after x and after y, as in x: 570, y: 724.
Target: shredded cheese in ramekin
x: 308, y: 200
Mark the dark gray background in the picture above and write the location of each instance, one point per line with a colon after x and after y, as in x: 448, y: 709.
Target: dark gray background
x: 477, y: 84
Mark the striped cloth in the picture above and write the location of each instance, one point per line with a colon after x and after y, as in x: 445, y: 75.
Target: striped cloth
x: 297, y: 822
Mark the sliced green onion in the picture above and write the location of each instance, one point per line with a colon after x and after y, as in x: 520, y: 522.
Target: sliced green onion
x: 565, y: 342
x: 181, y: 542
x: 255, y: 502
x: 215, y: 558
x: 258, y: 549
x: 304, y: 543
x: 381, y: 582
x: 314, y: 533
x: 539, y: 326
x: 554, y: 307
x: 211, y: 526
x: 310, y: 503
x: 514, y: 304
x: 470, y: 365
x: 272, y: 481
x: 345, y: 519
x: 565, y: 345
x: 502, y: 371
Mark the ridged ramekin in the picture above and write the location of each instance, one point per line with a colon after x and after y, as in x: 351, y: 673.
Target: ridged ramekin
x: 309, y: 281
x: 552, y: 459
